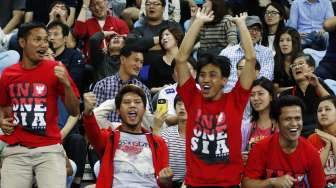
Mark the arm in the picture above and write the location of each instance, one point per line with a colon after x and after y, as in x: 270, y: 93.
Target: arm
x: 71, y: 122
x: 82, y: 14
x: 188, y: 44
x: 95, y: 136
x: 294, y: 16
x: 102, y: 111
x: 248, y: 74
x: 71, y: 102
x: 17, y: 17
x: 330, y: 141
x: 285, y: 181
x: 71, y: 19
x: 80, y: 29
x: 28, y: 17
x: 319, y: 87
x: 330, y: 24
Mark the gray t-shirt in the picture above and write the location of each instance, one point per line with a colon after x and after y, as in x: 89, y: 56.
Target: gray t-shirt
x: 133, y: 162
x: 6, y: 8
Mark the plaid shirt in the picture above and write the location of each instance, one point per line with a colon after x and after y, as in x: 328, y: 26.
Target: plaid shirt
x: 109, y: 87
x: 235, y: 53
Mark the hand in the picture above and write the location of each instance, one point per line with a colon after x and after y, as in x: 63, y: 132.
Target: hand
x: 166, y: 175
x: 205, y: 16
x: 159, y: 119
x: 61, y: 73
x: 89, y: 102
x: 312, y: 79
x: 239, y: 19
x: 302, y: 35
x: 7, y: 126
x: 285, y: 181
x: 320, y: 33
x: 109, y: 33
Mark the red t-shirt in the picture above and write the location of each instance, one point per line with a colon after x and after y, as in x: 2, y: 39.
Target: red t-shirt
x: 268, y: 160
x: 330, y: 165
x: 213, y: 136
x: 33, y: 94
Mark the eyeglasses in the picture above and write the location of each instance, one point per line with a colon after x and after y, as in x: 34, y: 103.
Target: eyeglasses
x: 296, y: 65
x: 254, y: 29
x: 155, y: 4
x: 271, y: 13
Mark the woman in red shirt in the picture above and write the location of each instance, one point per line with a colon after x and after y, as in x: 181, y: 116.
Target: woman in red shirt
x: 325, y: 137
x: 262, y: 124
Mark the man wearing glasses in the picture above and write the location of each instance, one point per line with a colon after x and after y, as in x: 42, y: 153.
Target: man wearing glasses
x: 236, y: 54
x: 309, y: 88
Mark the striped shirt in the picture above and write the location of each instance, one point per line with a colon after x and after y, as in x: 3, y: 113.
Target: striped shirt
x: 109, y: 87
x: 218, y: 36
x: 176, y: 148
x: 235, y: 53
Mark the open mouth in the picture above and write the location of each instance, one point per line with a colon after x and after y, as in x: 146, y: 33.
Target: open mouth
x: 206, y: 88
x: 294, y: 131
x: 42, y: 53
x: 132, y: 115
x: 298, y: 72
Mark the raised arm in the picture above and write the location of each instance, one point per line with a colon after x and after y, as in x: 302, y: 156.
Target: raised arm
x: 188, y: 43
x: 17, y: 16
x: 249, y: 73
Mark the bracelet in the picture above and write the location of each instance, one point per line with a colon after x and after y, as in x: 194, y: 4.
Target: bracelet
x: 84, y: 7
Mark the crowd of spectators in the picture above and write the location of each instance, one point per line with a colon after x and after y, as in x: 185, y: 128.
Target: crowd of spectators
x: 168, y: 93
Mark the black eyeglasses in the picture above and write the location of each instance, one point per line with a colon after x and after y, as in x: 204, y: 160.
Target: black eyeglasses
x: 271, y: 13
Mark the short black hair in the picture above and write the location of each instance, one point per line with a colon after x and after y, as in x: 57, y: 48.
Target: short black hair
x: 25, y: 28
x: 131, y: 45
x: 309, y: 59
x: 63, y: 26
x: 257, y: 65
x: 177, y: 99
x: 222, y: 62
x: 284, y: 101
x: 130, y: 88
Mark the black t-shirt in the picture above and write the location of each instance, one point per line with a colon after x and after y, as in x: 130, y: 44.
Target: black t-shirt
x: 160, y: 73
x: 281, y: 77
x: 74, y: 61
x: 330, y: 55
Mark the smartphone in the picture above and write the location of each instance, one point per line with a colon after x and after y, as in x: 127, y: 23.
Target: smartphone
x: 162, y: 105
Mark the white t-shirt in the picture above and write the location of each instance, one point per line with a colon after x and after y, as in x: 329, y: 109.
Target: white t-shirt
x: 133, y: 162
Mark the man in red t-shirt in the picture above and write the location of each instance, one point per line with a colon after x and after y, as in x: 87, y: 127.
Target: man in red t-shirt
x: 285, y: 159
x: 213, y: 134
x: 29, y: 92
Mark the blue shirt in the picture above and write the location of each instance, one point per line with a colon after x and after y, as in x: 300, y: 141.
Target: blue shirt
x: 307, y: 17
